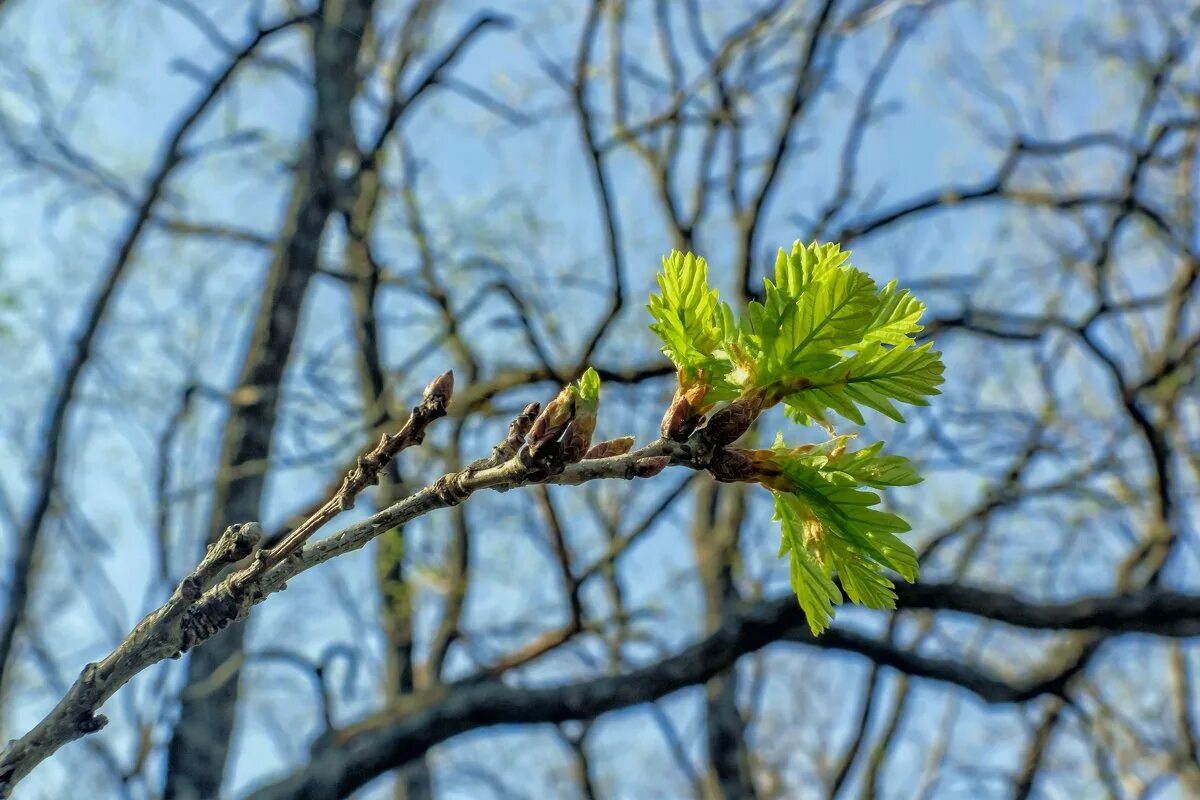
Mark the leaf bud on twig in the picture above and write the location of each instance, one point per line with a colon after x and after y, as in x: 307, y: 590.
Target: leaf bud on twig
x: 650, y: 466
x: 609, y: 448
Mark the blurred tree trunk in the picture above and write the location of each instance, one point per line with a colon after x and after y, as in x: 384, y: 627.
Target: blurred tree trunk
x: 715, y: 533
x: 397, y: 603
x: 199, y: 747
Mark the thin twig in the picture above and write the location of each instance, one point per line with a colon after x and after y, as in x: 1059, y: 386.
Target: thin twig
x: 434, y: 401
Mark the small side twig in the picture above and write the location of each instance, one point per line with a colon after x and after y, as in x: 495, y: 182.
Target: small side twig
x: 237, y: 542
x: 518, y: 429
x: 434, y: 402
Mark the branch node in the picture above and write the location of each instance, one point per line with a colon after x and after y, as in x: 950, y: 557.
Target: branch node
x: 216, y: 610
x: 449, y: 489
x: 91, y: 723
x: 89, y: 673
x: 191, y: 588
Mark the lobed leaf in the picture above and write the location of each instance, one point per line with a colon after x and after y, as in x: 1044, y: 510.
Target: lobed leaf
x: 685, y: 313
x: 810, y: 580
x: 897, y: 317
x: 873, y: 377
x: 828, y: 521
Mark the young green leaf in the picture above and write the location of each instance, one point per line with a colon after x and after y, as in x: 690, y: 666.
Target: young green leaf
x: 873, y: 377
x: 850, y: 514
x: 838, y: 526
x: 685, y: 314
x: 810, y: 580
x: 806, y: 333
x: 897, y: 317
x: 865, y: 466
x: 585, y: 400
x: 796, y: 271
x: 588, y: 388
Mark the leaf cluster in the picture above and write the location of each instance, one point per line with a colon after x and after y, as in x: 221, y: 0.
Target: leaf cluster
x: 824, y: 339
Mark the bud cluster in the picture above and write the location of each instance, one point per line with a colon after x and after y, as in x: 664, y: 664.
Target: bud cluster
x: 562, y: 433
x: 685, y: 417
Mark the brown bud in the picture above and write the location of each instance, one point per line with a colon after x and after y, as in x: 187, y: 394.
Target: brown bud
x: 687, y: 406
x: 733, y: 466
x: 682, y: 415
x: 612, y: 447
x: 675, y: 421
x: 518, y: 429
x: 651, y: 466
x: 441, y: 389
x: 540, y: 450
x: 727, y: 425
x: 578, y: 437
x: 553, y: 420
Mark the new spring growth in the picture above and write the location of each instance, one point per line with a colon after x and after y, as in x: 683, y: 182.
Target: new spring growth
x: 549, y: 425
x: 822, y: 340
x: 565, y: 426
x: 683, y: 318
x: 578, y: 436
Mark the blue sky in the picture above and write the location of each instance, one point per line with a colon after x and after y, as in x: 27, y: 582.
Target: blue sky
x: 521, y: 195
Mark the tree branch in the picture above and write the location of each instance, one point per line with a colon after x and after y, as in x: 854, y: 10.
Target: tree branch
x: 349, y: 759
